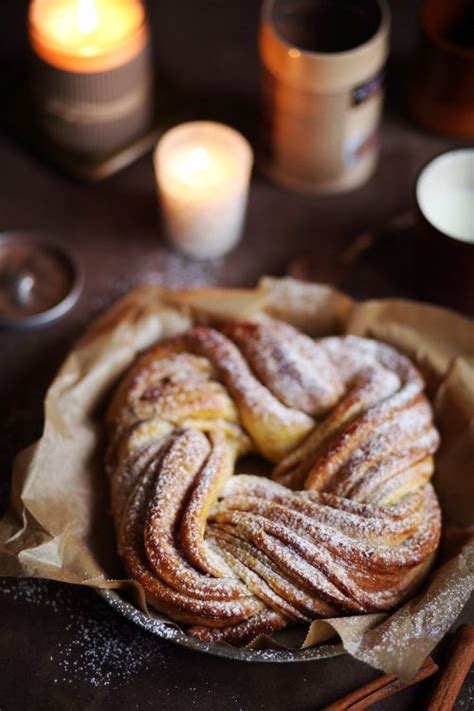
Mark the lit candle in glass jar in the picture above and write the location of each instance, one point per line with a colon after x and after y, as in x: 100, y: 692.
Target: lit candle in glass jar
x: 92, y: 71
x: 203, y: 171
x: 86, y: 35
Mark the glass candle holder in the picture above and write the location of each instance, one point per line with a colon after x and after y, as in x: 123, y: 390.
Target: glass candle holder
x: 442, y: 91
x: 92, y: 74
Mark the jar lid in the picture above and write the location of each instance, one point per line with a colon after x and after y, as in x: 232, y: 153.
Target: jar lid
x: 40, y: 281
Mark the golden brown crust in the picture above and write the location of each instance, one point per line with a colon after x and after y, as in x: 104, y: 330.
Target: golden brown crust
x: 347, y: 425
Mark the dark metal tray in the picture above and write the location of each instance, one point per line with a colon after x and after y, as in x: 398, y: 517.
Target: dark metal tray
x: 172, y: 634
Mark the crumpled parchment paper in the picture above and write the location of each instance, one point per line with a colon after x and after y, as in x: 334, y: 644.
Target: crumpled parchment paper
x: 58, y: 524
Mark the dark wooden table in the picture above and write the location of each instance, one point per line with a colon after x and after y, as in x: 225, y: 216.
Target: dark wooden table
x: 61, y: 647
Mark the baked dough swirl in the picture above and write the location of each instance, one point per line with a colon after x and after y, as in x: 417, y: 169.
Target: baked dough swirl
x: 349, y: 521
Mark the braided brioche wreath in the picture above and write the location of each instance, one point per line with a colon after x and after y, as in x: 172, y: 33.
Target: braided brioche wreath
x: 348, y: 522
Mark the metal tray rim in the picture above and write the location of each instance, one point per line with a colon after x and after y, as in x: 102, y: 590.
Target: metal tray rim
x: 242, y: 654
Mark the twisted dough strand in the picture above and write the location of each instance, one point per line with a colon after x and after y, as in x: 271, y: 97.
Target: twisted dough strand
x: 350, y: 522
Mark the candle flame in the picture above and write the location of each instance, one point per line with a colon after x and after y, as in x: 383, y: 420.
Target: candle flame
x: 199, y: 159
x: 87, y: 17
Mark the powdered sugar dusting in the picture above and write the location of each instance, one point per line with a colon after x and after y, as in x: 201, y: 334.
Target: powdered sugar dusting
x: 156, y: 266
x: 419, y: 627
x: 101, y: 648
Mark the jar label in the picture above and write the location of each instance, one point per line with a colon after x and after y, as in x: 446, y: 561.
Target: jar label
x: 368, y: 89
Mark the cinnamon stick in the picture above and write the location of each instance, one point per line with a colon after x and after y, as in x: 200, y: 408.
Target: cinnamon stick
x: 380, y: 689
x: 452, y: 677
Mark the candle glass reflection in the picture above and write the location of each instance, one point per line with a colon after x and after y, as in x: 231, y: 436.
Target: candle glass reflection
x: 92, y: 77
x: 203, y: 170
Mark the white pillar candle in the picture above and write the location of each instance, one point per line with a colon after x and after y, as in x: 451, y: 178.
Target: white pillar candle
x: 203, y: 172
